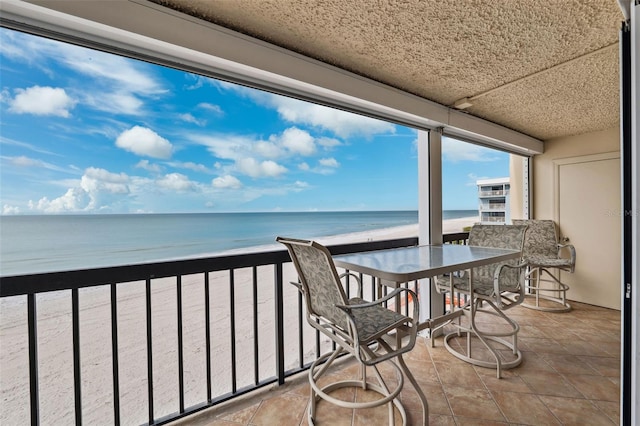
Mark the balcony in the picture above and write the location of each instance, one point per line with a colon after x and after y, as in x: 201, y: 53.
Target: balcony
x: 222, y: 341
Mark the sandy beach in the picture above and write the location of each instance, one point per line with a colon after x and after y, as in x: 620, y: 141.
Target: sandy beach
x: 55, y: 341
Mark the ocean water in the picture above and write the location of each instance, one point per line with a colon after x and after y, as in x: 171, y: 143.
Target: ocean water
x: 32, y: 244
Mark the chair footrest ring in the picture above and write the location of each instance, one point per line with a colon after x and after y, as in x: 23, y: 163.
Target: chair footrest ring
x: 387, y: 396
x: 558, y: 304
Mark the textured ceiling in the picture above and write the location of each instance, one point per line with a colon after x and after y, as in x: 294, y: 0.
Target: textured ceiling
x: 547, y: 68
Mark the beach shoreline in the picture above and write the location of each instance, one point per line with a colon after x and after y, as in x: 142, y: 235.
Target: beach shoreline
x: 449, y: 226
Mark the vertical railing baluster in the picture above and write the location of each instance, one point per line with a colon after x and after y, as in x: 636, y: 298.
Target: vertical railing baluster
x: 348, y: 284
x: 180, y: 344
x: 361, y: 286
x: 374, y: 294
x: 207, y: 331
x: 256, y: 358
x: 232, y: 314
x: 149, y: 349
x: 406, y: 300
x: 279, y: 312
x: 33, y: 359
x: 77, y: 378
x: 317, y: 340
x: 114, y: 356
x: 300, y: 332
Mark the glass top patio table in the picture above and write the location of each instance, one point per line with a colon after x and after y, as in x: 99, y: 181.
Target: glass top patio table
x: 400, y: 265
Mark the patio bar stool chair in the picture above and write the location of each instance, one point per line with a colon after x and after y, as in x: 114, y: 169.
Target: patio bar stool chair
x: 366, y: 331
x: 495, y: 288
x: 542, y: 252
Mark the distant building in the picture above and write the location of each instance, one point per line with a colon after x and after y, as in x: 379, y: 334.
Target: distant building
x: 493, y: 196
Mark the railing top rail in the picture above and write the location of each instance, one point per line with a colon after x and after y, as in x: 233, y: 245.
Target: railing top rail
x: 67, y: 280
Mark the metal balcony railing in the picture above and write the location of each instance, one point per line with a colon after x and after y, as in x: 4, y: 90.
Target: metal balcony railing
x: 492, y: 219
x: 493, y: 193
x: 278, y: 342
x: 493, y: 206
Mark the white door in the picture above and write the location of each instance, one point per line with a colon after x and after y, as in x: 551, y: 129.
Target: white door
x: 588, y: 213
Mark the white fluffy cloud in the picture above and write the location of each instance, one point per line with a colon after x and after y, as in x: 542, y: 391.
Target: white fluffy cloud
x: 211, y: 108
x: 74, y: 200
x: 329, y: 143
x: 252, y: 167
x: 329, y: 162
x: 189, y: 118
x: 98, y: 190
x: 111, y: 82
x: 146, y: 165
x: 298, y: 141
x: 144, y: 141
x: 9, y: 210
x: 189, y: 165
x: 226, y: 181
x: 342, y: 123
x: 454, y: 150
x: 256, y: 157
x: 39, y: 100
x: 176, y: 182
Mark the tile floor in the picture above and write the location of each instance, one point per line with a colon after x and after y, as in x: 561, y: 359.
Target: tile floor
x: 570, y: 375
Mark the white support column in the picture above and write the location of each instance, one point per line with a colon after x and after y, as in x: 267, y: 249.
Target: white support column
x: 635, y: 211
x: 430, y: 210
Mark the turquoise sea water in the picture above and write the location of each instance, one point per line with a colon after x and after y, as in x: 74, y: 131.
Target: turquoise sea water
x: 30, y: 244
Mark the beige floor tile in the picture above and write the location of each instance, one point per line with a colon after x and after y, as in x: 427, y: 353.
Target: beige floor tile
x: 579, y: 347
x: 510, y: 381
x: 595, y: 387
x: 436, y: 400
x: 548, y: 383
x: 438, y: 420
x: 372, y: 416
x: 472, y: 421
x: 578, y: 412
x: 524, y: 408
x: 568, y: 364
x: 570, y: 373
x: 330, y: 415
x: 473, y: 403
x: 243, y: 416
x: 541, y: 345
x: 458, y: 373
x: 284, y: 410
x: 610, y: 408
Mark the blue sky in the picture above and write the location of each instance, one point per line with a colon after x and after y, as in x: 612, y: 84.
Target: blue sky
x: 88, y: 132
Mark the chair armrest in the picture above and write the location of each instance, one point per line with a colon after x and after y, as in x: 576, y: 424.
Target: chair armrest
x: 297, y: 284
x: 572, y: 253
x: 357, y: 278
x: 496, y: 283
x: 394, y: 293
x: 408, y: 327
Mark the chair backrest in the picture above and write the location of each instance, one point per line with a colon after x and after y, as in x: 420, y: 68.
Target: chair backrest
x: 540, y: 239
x: 319, y: 278
x: 498, y: 236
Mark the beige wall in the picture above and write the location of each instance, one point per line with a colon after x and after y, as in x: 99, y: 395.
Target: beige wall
x: 554, y: 149
x: 516, y: 179
x: 591, y: 190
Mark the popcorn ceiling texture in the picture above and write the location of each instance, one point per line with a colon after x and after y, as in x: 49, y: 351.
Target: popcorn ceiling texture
x: 445, y: 50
